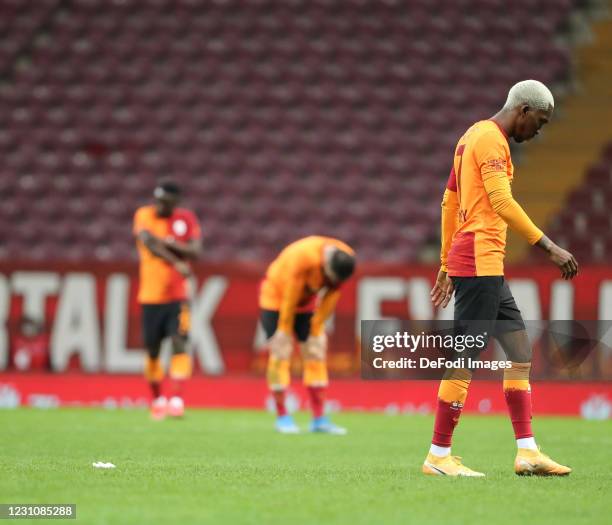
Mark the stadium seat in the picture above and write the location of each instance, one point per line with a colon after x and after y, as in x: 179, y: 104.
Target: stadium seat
x: 288, y: 118
x: 587, y: 213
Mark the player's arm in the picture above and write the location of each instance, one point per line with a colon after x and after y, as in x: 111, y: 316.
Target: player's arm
x: 562, y: 258
x: 450, y: 219
x: 492, y: 161
x: 443, y: 288
x: 324, y: 310
x: 157, y: 248
x: 315, y: 347
x: 291, y: 296
x: 498, y: 189
x: 192, y: 247
x: 281, y: 343
x: 188, y: 250
x: 491, y: 153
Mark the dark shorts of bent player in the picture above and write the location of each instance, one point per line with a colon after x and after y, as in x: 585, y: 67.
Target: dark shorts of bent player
x: 485, y: 305
x: 301, y: 325
x: 164, y: 320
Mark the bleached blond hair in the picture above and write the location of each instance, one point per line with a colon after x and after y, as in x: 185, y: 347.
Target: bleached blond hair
x: 531, y: 93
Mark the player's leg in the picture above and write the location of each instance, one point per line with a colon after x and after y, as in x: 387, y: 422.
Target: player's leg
x: 278, y: 374
x: 512, y: 336
x: 178, y: 324
x: 152, y: 332
x: 476, y: 304
x: 315, y: 376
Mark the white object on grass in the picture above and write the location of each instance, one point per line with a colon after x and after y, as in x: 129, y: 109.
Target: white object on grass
x: 101, y: 464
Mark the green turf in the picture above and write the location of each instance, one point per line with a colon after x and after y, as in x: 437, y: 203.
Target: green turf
x: 229, y: 467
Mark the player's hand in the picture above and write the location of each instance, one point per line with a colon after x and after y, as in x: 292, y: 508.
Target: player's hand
x: 564, y: 260
x: 169, y: 242
x: 316, y: 347
x: 173, y: 245
x: 443, y: 290
x: 183, y: 268
x: 281, y: 345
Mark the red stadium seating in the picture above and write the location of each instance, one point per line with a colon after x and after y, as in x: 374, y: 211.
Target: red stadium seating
x: 584, y: 225
x: 280, y: 119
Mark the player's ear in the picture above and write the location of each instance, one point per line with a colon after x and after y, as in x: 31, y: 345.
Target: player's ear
x: 525, y: 109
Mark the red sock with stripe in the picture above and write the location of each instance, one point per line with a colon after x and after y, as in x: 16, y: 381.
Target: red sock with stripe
x: 517, y: 392
x: 451, y: 398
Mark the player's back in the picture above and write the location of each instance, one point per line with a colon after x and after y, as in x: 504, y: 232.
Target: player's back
x: 478, y: 247
x: 300, y: 262
x: 303, y: 254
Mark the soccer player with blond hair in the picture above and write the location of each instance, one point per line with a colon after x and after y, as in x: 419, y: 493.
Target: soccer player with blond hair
x: 477, y: 208
x: 298, y: 294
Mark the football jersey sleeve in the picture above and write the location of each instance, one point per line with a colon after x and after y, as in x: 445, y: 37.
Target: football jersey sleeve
x: 140, y: 221
x: 289, y: 302
x: 491, y: 153
x: 324, y: 310
x: 450, y: 219
x: 500, y: 197
x: 297, y: 266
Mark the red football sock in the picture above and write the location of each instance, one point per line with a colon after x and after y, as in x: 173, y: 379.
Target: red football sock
x: 451, y: 397
x: 155, y: 389
x: 519, y: 407
x: 517, y: 392
x: 317, y: 400
x: 279, y: 401
x: 447, y: 417
x: 177, y: 387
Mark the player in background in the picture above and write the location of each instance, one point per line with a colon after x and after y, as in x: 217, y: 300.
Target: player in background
x: 167, y: 238
x: 291, y: 305
x: 477, y: 208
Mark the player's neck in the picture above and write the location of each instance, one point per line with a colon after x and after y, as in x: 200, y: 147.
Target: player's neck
x: 505, y: 120
x: 163, y: 214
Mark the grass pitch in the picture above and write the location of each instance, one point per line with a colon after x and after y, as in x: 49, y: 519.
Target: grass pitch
x: 229, y: 467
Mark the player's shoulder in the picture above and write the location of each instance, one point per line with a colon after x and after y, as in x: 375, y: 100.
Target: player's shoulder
x: 314, y: 243
x: 482, y: 136
x: 185, y: 213
x: 147, y: 210
x: 488, y: 132
x: 317, y: 241
x: 304, y: 242
x: 303, y: 250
